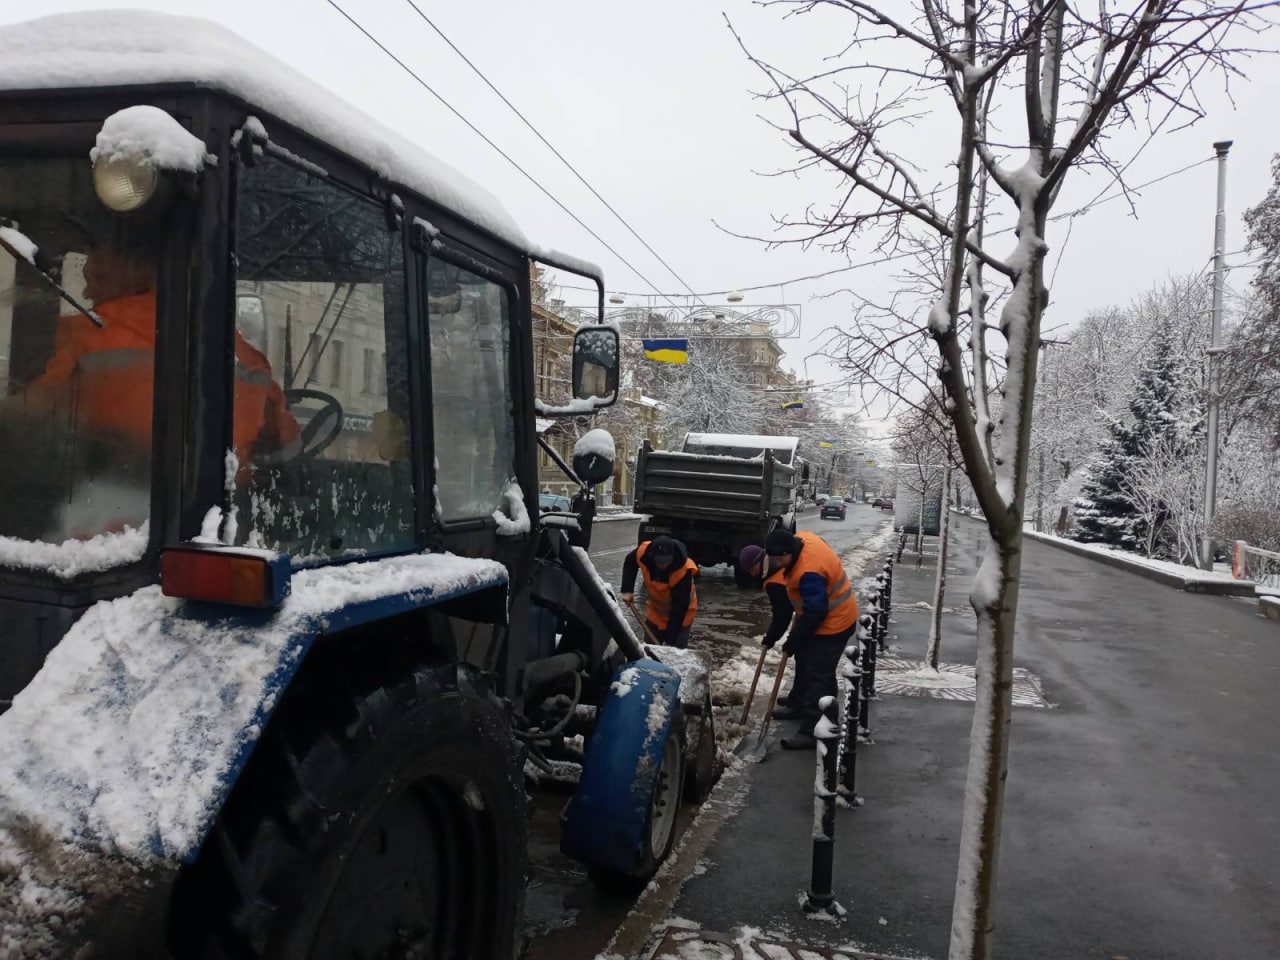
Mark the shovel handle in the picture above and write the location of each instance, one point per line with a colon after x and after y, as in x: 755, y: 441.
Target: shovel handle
x: 773, y: 698
x: 647, y: 632
x: 751, y: 694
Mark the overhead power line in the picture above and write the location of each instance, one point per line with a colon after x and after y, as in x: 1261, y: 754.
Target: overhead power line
x: 889, y: 258
x: 537, y: 133
x: 528, y: 176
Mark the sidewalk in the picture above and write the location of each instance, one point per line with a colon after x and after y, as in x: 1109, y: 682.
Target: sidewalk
x: 1140, y: 819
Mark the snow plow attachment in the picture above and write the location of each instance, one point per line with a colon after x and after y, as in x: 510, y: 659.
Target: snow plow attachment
x: 621, y: 821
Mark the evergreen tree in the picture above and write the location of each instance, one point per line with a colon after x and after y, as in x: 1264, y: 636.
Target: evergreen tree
x: 1164, y: 413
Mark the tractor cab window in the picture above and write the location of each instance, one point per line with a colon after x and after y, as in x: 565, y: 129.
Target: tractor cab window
x: 321, y: 407
x: 474, y: 421
x: 76, y: 398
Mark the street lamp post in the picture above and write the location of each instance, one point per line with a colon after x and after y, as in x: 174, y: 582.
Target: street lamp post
x: 1219, y: 281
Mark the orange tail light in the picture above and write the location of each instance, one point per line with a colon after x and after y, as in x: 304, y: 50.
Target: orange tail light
x: 224, y: 575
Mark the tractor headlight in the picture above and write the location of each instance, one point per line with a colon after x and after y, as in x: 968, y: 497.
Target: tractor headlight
x: 125, y: 184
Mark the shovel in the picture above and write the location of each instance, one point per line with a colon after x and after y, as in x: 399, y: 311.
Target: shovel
x: 751, y: 694
x: 753, y: 749
x: 644, y: 623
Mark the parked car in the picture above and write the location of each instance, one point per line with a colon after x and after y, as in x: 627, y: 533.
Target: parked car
x: 820, y: 498
x: 553, y: 503
x: 878, y: 501
x: 834, y: 507
x: 886, y: 503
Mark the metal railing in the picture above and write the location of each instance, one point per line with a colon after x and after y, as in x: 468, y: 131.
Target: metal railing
x: 1254, y: 563
x: 844, y: 721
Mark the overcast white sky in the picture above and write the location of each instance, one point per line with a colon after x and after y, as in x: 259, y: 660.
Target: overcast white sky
x: 652, y: 103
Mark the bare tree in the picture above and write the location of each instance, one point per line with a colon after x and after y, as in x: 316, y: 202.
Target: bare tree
x: 926, y: 442
x: 1035, y: 87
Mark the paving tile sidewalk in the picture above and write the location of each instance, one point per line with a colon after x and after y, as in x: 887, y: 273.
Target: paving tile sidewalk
x: 1116, y: 843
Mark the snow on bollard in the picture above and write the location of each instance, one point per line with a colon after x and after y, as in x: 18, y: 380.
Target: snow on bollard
x: 881, y: 625
x: 867, y: 622
x: 821, y: 899
x: 847, y: 761
x: 888, y: 590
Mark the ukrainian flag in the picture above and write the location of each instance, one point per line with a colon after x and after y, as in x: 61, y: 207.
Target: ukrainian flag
x: 793, y: 405
x: 667, y: 351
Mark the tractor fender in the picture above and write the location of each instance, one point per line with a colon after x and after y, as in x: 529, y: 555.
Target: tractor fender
x: 606, y: 821
x: 116, y: 758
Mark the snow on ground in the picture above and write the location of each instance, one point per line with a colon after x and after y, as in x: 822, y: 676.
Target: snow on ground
x: 1190, y: 574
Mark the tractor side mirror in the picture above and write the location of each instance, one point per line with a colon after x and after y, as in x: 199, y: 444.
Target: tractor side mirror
x: 595, y: 365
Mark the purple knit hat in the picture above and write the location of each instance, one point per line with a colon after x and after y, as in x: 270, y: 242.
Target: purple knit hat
x: 750, y: 555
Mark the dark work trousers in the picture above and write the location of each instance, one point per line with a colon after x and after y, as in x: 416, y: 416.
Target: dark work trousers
x: 681, y: 640
x: 817, y: 658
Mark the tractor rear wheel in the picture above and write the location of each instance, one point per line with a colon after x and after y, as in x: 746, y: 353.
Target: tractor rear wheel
x: 384, y: 823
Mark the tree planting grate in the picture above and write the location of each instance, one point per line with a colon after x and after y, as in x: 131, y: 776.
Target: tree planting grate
x: 955, y: 681
x: 680, y: 943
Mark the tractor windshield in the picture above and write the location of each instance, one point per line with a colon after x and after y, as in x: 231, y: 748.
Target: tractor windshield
x: 76, y: 398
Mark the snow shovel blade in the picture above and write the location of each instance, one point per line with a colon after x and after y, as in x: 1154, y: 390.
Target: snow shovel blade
x: 754, y: 749
x: 755, y: 746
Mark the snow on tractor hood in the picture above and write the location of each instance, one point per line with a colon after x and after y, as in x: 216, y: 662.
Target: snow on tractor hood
x: 132, y: 733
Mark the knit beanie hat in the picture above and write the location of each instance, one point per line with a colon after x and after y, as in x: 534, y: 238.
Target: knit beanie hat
x: 750, y: 555
x: 780, y: 542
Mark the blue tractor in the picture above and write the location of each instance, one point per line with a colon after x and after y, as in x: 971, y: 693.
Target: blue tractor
x: 283, y: 633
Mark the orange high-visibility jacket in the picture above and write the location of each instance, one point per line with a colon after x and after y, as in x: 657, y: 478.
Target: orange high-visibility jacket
x: 817, y: 557
x: 659, y: 608
x: 108, y: 374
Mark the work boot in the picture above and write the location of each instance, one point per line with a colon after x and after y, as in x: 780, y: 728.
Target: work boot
x: 785, y: 712
x: 800, y: 740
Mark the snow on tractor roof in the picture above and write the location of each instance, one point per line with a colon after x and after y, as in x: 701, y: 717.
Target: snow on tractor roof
x: 126, y: 47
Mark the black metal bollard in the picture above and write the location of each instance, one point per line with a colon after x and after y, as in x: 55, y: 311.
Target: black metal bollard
x: 851, y: 673
x: 888, y: 585
x: 827, y: 731
x: 881, y: 625
x: 868, y: 679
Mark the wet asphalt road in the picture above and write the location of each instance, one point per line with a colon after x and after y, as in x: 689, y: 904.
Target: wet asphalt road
x: 1141, y: 815
x: 565, y: 917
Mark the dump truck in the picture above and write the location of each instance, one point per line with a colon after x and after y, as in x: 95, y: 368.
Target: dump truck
x: 718, y: 492
x: 284, y: 638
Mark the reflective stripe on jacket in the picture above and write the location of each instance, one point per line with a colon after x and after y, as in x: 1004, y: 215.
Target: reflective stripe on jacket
x: 659, y: 591
x: 817, y: 557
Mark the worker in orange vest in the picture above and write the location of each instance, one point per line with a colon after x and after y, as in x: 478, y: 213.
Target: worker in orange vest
x: 825, y: 615
x: 100, y: 381
x: 755, y: 570
x: 668, y: 581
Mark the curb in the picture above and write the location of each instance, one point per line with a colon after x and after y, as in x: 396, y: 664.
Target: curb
x: 1222, y: 588
x: 1269, y: 607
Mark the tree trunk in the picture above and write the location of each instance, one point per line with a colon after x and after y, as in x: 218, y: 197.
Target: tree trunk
x: 920, y: 526
x: 940, y: 584
x: 1040, y: 494
x: 995, y: 600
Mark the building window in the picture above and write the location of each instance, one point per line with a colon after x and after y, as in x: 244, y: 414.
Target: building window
x: 335, y: 363
x: 367, y: 378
